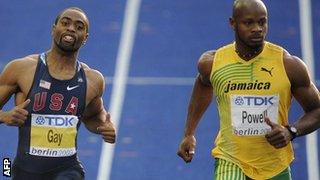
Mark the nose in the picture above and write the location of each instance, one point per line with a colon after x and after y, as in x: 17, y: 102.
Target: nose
x: 71, y: 28
x: 257, y: 28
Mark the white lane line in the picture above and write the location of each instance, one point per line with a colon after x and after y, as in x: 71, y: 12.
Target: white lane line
x: 307, y: 55
x: 170, y: 81
x: 120, y: 80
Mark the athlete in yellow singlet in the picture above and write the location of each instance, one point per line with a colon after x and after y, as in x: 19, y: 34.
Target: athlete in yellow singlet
x: 253, y: 81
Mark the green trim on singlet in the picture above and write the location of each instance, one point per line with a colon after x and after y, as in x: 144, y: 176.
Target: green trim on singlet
x: 225, y: 170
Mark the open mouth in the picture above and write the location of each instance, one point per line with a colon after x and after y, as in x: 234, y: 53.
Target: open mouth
x: 68, y: 39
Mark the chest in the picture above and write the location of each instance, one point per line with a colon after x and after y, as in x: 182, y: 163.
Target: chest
x: 52, y: 96
x: 259, y: 77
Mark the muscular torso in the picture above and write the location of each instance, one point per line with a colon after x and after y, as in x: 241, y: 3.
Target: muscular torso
x: 302, y: 88
x: 291, y: 66
x: 25, y: 78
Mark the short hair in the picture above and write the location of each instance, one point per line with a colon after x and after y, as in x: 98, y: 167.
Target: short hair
x: 73, y: 8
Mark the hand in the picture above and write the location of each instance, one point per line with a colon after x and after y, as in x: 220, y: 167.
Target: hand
x: 187, y: 148
x: 107, y: 130
x: 17, y: 116
x: 279, y: 136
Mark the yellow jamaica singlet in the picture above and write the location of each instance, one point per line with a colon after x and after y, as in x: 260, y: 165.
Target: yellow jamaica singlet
x: 246, y: 92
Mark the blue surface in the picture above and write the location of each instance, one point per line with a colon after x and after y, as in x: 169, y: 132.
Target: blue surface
x: 148, y: 140
x: 316, y: 35
x: 171, y: 35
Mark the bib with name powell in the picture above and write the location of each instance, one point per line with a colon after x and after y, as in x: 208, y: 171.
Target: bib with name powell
x: 248, y: 113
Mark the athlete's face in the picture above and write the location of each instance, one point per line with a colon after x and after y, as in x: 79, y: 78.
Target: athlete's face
x: 250, y: 25
x: 71, y: 31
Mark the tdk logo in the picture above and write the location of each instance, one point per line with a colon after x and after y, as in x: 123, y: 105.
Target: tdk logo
x: 40, y: 120
x: 239, y: 101
x: 59, y: 121
x: 253, y: 101
x: 55, y: 121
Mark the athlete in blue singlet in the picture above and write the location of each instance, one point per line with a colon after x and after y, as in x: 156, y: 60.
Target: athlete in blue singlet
x: 54, y: 93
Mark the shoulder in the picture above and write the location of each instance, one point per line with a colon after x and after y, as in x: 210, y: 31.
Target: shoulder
x: 27, y: 61
x: 19, y: 70
x: 296, y: 70
x: 273, y: 47
x: 95, y: 79
x: 92, y: 73
x: 205, y: 62
x: 205, y: 65
x: 18, y: 66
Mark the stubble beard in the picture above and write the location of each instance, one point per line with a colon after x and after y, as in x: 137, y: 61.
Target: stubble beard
x: 67, y: 49
x: 254, y: 47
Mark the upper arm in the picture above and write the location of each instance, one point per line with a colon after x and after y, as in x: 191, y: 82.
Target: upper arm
x: 8, y: 81
x: 205, y: 67
x: 95, y: 90
x: 302, y: 88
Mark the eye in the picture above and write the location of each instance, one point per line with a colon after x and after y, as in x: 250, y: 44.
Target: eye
x: 80, y: 28
x: 262, y: 22
x: 64, y: 23
x: 248, y: 23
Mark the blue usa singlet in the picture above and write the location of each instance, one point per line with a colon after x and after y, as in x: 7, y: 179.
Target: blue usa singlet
x: 48, y: 139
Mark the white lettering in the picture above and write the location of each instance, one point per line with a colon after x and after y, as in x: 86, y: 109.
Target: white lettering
x: 6, y: 167
x: 52, y: 152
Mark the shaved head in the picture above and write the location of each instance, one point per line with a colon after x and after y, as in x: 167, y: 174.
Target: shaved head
x: 240, y: 6
x: 250, y: 23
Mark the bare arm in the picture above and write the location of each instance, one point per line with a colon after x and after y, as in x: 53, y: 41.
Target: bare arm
x: 201, y: 95
x: 200, y: 99
x: 306, y: 93
x: 9, y: 84
x: 95, y: 117
x: 308, y: 97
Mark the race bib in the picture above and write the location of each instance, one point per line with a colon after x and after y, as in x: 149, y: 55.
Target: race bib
x: 53, y: 135
x: 249, y: 111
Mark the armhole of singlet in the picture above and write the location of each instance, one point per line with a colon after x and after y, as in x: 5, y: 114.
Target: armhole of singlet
x: 213, y: 65
x: 283, y: 66
x: 83, y: 73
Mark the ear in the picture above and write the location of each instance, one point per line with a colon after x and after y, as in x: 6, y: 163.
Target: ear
x: 232, y: 23
x: 53, y: 29
x: 85, y: 39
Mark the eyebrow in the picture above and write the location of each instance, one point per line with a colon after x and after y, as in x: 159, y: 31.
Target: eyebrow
x: 78, y: 21
x: 254, y: 18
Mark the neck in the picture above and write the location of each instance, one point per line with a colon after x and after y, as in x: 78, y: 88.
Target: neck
x: 247, y: 52
x: 62, y: 61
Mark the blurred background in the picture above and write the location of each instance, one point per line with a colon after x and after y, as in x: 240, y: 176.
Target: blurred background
x: 150, y: 103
